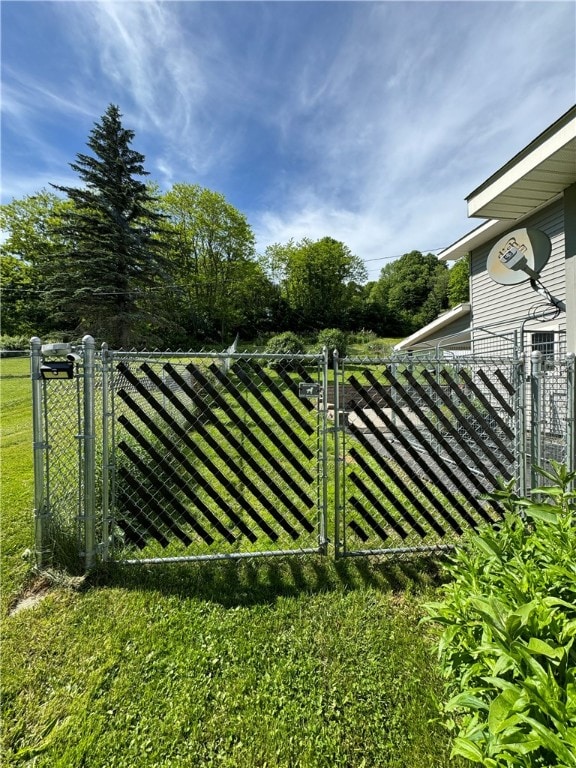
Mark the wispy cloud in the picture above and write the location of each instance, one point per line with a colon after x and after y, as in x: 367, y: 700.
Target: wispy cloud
x: 442, y: 115
x: 368, y: 122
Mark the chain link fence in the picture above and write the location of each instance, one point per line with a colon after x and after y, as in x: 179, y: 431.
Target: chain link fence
x: 145, y: 457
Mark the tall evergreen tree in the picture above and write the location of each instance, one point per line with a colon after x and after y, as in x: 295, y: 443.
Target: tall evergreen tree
x: 115, y: 257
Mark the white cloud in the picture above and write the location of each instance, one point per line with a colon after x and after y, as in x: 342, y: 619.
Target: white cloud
x: 368, y: 122
x: 424, y: 123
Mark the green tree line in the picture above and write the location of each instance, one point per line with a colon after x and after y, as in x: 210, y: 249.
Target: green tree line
x: 120, y: 259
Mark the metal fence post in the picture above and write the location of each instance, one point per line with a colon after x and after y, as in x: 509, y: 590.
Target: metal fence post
x: 40, y: 447
x: 535, y: 415
x: 571, y: 412
x: 105, y: 454
x: 520, y: 437
x: 89, y: 440
x: 323, y: 514
x: 337, y: 501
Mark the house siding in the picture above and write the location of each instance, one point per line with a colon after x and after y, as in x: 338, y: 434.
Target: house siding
x: 503, y: 308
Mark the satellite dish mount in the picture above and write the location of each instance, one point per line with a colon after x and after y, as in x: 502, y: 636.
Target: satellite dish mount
x: 520, y: 256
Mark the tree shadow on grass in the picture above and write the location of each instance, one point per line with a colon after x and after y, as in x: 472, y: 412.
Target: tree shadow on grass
x: 252, y: 582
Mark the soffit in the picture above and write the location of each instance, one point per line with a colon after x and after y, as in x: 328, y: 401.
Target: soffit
x: 534, y: 177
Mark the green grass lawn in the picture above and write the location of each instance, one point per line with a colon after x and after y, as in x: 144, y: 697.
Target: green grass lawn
x: 300, y: 664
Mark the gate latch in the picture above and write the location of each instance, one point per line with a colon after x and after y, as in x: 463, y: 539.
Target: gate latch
x: 308, y: 390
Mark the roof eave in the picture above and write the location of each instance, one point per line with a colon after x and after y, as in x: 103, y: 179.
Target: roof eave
x: 532, y: 177
x: 446, y: 319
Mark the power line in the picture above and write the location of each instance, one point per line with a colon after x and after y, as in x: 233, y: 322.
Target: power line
x: 399, y: 256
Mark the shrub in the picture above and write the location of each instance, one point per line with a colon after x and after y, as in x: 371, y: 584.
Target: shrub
x: 333, y: 338
x: 287, y: 343
x: 508, y: 645
x: 13, y: 344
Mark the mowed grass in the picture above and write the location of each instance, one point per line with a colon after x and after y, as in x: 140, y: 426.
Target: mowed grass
x: 294, y: 663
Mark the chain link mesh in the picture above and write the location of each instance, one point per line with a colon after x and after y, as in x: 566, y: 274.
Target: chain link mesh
x: 424, y: 439
x: 63, y: 469
x: 216, y: 455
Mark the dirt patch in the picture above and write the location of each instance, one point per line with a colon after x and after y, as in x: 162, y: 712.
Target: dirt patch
x: 31, y: 595
x: 39, y: 587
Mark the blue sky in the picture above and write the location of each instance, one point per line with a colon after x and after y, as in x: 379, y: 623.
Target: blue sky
x: 365, y: 121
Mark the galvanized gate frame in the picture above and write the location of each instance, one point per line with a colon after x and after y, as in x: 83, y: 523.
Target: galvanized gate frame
x: 225, y: 393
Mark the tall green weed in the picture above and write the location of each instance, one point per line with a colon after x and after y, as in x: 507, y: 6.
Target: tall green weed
x: 508, y: 645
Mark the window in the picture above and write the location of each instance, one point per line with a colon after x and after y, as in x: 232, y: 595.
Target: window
x: 543, y: 341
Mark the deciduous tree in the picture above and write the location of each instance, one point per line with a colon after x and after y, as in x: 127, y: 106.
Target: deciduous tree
x: 222, y: 287
x: 314, y: 279
x: 30, y: 243
x: 459, y: 282
x: 415, y: 289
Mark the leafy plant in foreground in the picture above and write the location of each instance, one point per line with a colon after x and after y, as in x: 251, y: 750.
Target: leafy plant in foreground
x: 508, y: 645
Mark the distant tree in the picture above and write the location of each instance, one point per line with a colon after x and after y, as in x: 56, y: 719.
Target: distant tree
x: 332, y: 339
x: 30, y: 242
x: 414, y: 291
x: 459, y: 282
x: 114, y: 258
x: 222, y: 287
x: 314, y: 277
x: 376, y: 313
x: 18, y: 296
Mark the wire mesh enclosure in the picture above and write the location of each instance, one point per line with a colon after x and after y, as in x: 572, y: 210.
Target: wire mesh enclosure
x: 155, y: 457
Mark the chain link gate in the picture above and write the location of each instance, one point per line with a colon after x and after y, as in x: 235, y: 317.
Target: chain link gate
x: 67, y: 417
x: 217, y: 456
x: 159, y: 457
x: 421, y: 441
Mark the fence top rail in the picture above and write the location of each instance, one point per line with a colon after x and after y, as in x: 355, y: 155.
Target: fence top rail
x: 217, y: 355
x: 417, y: 360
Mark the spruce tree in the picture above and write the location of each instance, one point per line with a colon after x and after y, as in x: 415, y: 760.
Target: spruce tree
x: 104, y: 280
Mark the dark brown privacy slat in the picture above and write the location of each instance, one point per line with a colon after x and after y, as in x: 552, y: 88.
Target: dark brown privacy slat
x: 432, y: 452
x: 221, y: 402
x: 505, y: 381
x: 472, y: 454
x: 206, y: 461
x: 388, y: 495
x: 273, y: 389
x: 481, y: 397
x: 177, y: 478
x: 368, y: 518
x: 489, y: 384
x: 270, y: 434
x: 132, y: 535
x: 164, y: 496
x: 222, y: 455
x: 358, y: 530
x: 144, y: 518
x: 454, y: 410
x: 435, y: 432
x: 248, y: 457
x: 184, y: 463
x: 416, y: 457
x: 402, y: 484
x: 292, y: 384
x: 377, y: 505
x: 471, y: 408
x: 280, y: 422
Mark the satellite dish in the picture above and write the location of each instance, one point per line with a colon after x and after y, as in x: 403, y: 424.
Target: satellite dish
x: 519, y: 256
